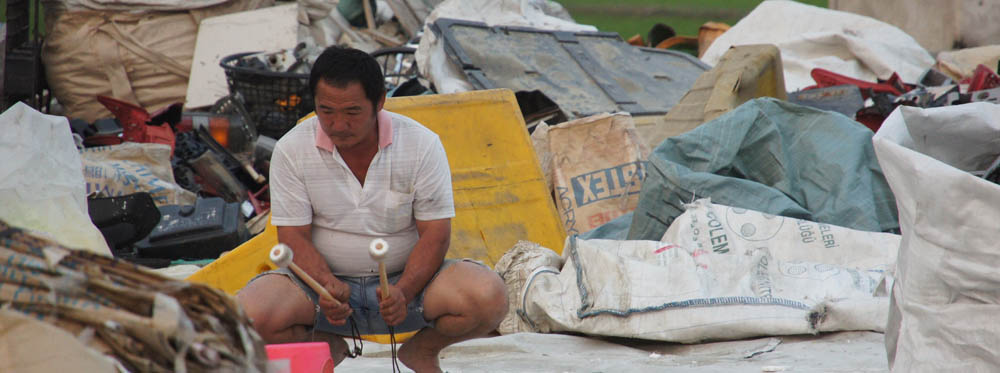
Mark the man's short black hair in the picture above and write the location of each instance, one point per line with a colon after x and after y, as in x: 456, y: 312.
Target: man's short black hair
x: 339, y: 66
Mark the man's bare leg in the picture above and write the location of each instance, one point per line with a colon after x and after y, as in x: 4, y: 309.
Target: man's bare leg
x: 280, y: 316
x: 466, y: 301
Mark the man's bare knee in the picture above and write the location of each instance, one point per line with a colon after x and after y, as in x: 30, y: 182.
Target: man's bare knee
x: 491, y: 300
x: 483, y: 292
x: 273, y: 308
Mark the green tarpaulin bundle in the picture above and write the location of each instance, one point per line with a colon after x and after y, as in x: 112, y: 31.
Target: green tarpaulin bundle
x: 771, y: 156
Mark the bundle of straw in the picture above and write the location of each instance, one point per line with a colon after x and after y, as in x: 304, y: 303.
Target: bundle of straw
x: 144, y: 321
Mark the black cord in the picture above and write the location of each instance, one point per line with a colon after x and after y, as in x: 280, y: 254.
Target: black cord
x: 355, y: 339
x: 395, y: 359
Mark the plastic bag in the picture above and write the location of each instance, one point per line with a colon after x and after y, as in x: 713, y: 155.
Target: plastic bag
x: 41, y: 179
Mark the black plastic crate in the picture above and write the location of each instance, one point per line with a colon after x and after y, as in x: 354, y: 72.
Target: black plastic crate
x: 275, y: 100
x: 18, y: 21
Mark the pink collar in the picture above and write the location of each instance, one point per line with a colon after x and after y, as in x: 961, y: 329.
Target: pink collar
x: 384, y: 121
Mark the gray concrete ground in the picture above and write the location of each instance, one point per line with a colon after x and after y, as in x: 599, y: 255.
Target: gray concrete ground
x: 530, y: 352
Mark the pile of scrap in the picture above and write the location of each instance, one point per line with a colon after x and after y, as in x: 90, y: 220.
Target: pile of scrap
x: 801, y: 230
x: 110, y: 315
x: 809, y: 171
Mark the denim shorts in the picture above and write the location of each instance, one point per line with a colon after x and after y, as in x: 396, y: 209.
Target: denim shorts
x: 364, y: 303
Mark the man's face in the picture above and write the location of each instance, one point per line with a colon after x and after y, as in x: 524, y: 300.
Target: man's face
x: 346, y: 115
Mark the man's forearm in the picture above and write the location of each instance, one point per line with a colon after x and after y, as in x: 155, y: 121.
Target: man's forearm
x: 426, y: 257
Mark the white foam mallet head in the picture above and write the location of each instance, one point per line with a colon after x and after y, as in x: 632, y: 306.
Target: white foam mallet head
x: 281, y: 255
x: 378, y: 249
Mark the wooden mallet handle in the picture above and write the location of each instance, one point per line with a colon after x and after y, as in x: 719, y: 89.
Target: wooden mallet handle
x: 378, y: 250
x: 281, y: 256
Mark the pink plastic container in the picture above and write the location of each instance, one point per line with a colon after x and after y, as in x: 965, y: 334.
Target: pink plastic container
x: 309, y: 357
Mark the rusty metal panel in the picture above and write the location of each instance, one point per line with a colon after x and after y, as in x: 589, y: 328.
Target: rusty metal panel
x: 585, y: 73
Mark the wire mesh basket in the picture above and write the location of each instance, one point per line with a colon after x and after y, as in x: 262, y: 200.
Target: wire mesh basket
x: 274, y: 100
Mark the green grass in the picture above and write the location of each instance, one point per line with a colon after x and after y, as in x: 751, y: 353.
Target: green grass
x: 694, y: 14
x: 627, y: 26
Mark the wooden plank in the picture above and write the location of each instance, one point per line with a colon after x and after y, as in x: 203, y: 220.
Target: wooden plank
x: 407, y: 17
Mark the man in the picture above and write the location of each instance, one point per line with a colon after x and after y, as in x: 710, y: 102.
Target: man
x: 352, y: 173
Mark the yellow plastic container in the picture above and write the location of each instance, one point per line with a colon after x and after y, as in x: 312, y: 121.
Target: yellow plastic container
x: 234, y: 269
x: 500, y: 193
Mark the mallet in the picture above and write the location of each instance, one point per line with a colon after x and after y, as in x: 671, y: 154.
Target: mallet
x: 281, y: 256
x: 378, y: 249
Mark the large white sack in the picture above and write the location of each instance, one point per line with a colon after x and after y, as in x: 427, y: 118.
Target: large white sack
x: 41, y: 179
x: 938, y: 25
x: 431, y: 58
x: 945, y: 297
x: 656, y: 291
x: 811, y: 37
x: 515, y: 267
x: 723, y: 229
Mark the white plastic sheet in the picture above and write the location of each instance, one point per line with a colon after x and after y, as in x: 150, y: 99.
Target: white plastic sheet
x: 41, y: 179
x: 431, y: 57
x: 811, y: 37
x: 945, y: 300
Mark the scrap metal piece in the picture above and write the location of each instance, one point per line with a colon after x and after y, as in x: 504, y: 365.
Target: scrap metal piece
x: 934, y: 78
x: 943, y: 95
x: 894, y: 85
x: 845, y: 99
x: 986, y: 95
x: 585, y: 73
x: 983, y: 78
x: 136, y: 122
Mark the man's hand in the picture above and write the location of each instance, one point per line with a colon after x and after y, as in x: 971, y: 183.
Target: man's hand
x: 336, y: 314
x: 393, y: 307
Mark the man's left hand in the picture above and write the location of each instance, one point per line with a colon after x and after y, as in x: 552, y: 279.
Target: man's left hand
x: 393, y: 307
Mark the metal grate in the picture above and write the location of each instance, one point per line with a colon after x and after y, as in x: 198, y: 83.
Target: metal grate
x: 21, y: 66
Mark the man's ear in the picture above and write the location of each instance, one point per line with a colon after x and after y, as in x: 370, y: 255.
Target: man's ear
x: 380, y: 103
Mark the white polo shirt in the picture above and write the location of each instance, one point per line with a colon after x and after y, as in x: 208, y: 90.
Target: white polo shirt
x: 408, y: 180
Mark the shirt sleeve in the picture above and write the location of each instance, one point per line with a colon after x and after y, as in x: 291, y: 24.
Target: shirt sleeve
x: 290, y: 205
x: 432, y: 198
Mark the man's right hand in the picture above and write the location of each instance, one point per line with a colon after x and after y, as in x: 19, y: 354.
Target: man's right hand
x: 336, y: 314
